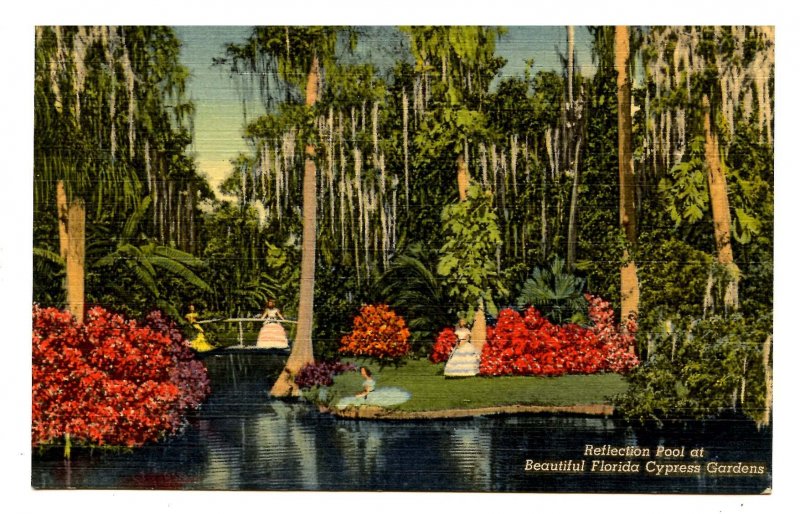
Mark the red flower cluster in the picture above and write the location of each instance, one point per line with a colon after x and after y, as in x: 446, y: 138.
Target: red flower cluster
x: 443, y: 347
x: 618, y: 344
x: 378, y: 332
x: 532, y: 345
x: 110, y: 380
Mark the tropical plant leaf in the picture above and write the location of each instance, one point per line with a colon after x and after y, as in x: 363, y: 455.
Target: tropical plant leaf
x: 557, y: 293
x: 129, y: 229
x: 185, y: 258
x: 745, y: 226
x: 137, y: 255
x: 49, y: 255
x: 179, y: 270
x: 146, y: 278
x: 108, y: 260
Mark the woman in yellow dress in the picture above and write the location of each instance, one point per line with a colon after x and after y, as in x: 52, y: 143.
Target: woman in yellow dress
x: 272, y: 334
x: 198, y: 343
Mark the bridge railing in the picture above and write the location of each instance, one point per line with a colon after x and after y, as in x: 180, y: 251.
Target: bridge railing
x: 241, y: 322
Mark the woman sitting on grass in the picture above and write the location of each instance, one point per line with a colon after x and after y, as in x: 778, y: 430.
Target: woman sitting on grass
x: 381, y: 397
x: 369, y: 382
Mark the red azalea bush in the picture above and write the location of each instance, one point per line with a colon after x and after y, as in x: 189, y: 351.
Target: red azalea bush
x: 443, y: 347
x: 378, y: 332
x: 618, y: 344
x: 321, y: 373
x: 532, y: 345
x: 111, y: 380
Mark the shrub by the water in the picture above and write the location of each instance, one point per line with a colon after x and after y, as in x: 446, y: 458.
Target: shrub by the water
x: 702, y: 368
x: 110, y: 381
x: 321, y: 373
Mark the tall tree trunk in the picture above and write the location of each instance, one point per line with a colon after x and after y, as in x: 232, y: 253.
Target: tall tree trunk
x: 303, y: 349
x: 479, y: 329
x: 570, y: 65
x: 462, y: 178
x: 62, y: 213
x: 543, y: 209
x: 629, y: 283
x: 72, y: 244
x: 765, y: 419
x: 720, y: 208
x: 572, y: 229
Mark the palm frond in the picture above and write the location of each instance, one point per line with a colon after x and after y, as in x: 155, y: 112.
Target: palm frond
x: 136, y: 254
x: 107, y: 260
x: 176, y: 268
x: 147, y: 279
x: 558, y: 293
x: 49, y: 255
x: 129, y: 229
x: 184, y: 258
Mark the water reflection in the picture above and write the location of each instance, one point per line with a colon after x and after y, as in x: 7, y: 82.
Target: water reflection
x: 470, y: 449
x: 242, y: 441
x: 292, y: 447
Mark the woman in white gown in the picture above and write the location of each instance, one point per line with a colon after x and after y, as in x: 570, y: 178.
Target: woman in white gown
x: 272, y: 334
x: 464, y: 361
x: 380, y: 397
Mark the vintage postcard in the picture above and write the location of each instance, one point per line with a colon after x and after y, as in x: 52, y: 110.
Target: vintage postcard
x: 403, y: 258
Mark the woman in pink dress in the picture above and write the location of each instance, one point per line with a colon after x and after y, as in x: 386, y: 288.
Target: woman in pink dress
x: 272, y: 334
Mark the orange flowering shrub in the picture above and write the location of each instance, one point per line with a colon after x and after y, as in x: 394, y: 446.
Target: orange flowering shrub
x: 378, y: 332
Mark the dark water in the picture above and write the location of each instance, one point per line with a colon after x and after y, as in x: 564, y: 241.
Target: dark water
x: 240, y: 440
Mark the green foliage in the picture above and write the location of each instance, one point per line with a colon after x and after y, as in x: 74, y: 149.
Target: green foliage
x: 412, y: 286
x: 147, y: 263
x: 112, y: 122
x: 750, y: 181
x: 700, y: 368
x: 468, y: 259
x: 281, y: 57
x: 557, y: 294
x: 442, y: 134
x: 685, y: 189
x: 672, y: 275
x: 460, y: 64
x: 244, y: 268
x: 461, y: 60
x: 599, y: 238
x: 337, y: 300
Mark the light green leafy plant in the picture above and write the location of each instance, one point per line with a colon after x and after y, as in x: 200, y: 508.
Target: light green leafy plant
x: 467, y: 261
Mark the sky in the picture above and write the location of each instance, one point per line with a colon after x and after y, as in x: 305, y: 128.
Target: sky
x: 219, y: 115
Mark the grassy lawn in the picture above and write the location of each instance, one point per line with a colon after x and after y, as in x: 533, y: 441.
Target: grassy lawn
x: 430, y: 390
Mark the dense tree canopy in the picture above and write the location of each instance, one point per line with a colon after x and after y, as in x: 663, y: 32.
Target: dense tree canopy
x: 394, y: 148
